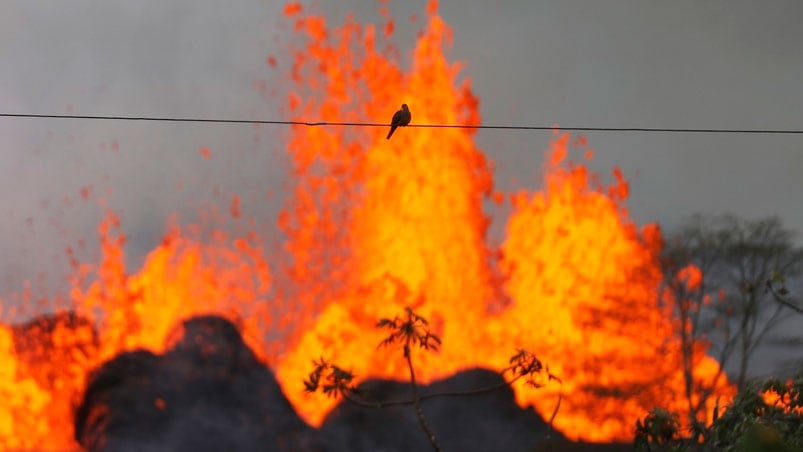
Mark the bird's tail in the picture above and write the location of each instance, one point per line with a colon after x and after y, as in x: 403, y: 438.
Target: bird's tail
x: 392, y: 129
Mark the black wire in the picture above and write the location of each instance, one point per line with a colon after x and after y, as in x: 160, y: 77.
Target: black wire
x: 435, y: 126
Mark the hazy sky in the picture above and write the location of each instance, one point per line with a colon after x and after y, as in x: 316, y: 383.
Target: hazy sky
x: 680, y: 63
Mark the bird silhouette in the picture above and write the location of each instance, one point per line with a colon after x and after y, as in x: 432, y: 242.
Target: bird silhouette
x: 400, y: 119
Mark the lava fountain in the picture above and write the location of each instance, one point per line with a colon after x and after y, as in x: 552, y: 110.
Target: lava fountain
x: 374, y: 225
x: 400, y: 222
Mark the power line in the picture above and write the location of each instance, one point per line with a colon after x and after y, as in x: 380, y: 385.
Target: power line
x: 431, y: 126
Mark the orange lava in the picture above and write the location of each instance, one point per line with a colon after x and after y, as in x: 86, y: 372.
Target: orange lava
x: 785, y: 401
x: 400, y: 222
x: 373, y: 225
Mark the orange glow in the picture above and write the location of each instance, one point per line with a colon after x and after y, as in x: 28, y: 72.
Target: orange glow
x: 43, y: 369
x: 691, y: 276
x: 575, y: 281
x: 23, y: 395
x: 372, y: 226
x: 773, y: 398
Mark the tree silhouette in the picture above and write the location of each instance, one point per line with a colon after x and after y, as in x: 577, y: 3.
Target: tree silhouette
x: 725, y: 277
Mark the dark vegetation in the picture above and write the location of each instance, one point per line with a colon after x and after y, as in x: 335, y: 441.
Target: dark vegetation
x: 750, y: 423
x: 735, y: 304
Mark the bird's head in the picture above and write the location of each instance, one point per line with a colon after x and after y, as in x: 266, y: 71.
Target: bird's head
x: 404, y: 107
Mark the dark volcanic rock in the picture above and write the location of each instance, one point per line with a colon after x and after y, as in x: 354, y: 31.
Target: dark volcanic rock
x: 487, y: 422
x: 208, y: 392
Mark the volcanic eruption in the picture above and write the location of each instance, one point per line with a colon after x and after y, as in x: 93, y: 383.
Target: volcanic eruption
x: 371, y: 226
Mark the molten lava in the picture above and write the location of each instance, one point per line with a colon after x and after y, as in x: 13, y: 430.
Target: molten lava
x: 373, y: 226
x: 581, y: 281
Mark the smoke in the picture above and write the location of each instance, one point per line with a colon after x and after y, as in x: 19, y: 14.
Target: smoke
x: 128, y: 60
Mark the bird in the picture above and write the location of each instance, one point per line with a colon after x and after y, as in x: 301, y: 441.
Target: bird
x: 400, y: 119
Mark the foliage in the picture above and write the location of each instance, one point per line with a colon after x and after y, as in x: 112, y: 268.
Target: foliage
x: 414, y: 330
x: 659, y: 428
x: 763, y: 417
x: 725, y: 283
x: 336, y: 381
x: 526, y: 365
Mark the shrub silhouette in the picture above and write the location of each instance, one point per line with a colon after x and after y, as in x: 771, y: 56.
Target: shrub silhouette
x: 411, y: 330
x: 766, y: 416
